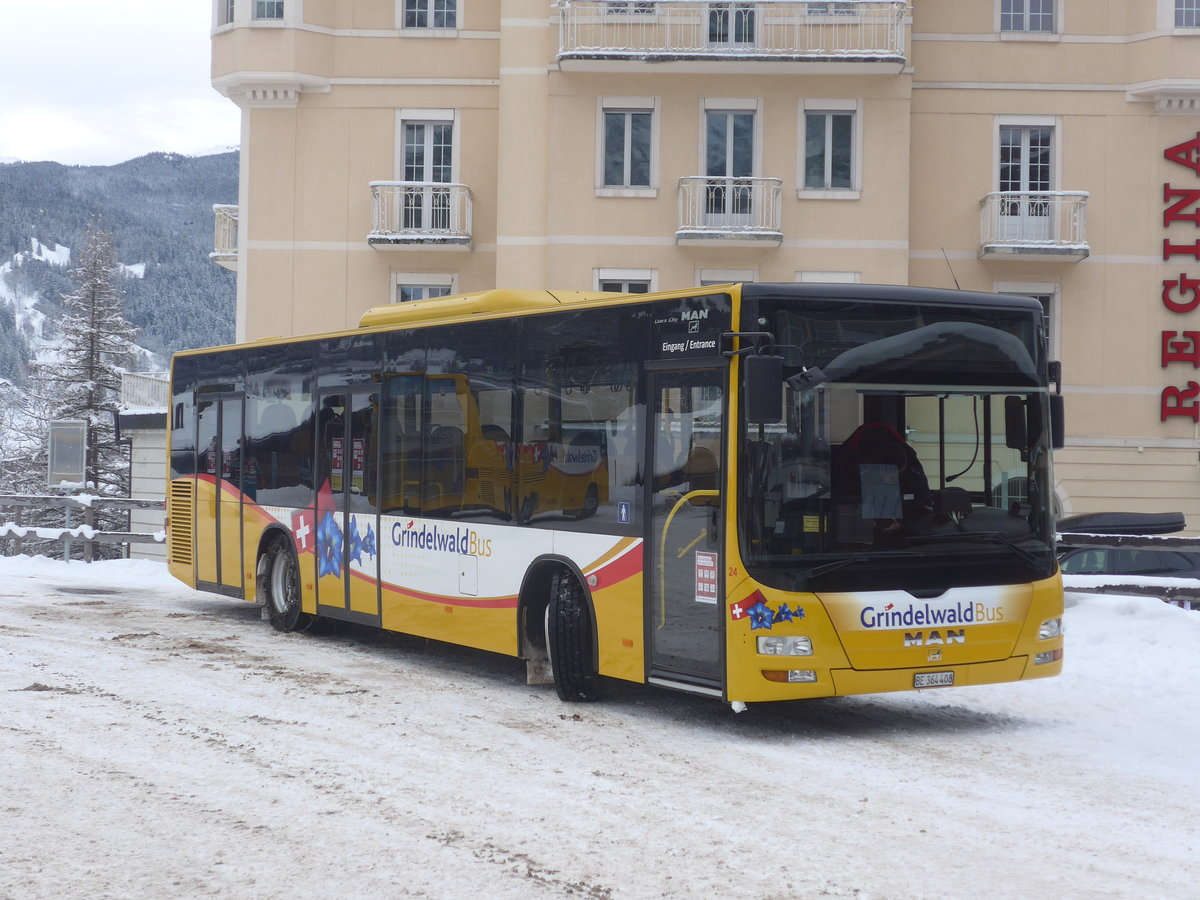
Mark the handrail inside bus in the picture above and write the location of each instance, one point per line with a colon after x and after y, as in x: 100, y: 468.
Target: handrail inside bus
x: 685, y: 500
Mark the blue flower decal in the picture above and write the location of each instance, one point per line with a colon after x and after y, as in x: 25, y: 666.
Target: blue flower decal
x: 329, y: 547
x: 368, y: 544
x: 783, y: 614
x: 760, y: 616
x: 356, y: 544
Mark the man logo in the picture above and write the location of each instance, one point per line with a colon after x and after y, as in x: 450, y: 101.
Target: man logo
x: 935, y: 638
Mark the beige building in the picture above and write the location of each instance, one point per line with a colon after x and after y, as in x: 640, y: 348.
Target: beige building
x: 397, y: 149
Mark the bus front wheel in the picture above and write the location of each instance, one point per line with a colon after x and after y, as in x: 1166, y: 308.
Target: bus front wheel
x: 281, y: 588
x: 569, y: 639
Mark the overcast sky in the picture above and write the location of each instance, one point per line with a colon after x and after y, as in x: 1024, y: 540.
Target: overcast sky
x: 93, y: 83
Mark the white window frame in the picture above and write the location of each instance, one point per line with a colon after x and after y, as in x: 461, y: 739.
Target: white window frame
x: 1054, y: 34
x: 706, y: 277
x: 1042, y: 289
x: 628, y: 104
x: 1054, y: 123
x: 825, y: 105
x: 814, y: 277
x: 281, y: 4
x: 648, y: 276
x: 408, y: 116
x: 730, y: 104
x: 243, y: 15
x: 429, y: 30
x: 420, y: 279
x: 1168, y: 10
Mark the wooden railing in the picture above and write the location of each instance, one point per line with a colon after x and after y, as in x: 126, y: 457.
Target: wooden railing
x: 79, y: 523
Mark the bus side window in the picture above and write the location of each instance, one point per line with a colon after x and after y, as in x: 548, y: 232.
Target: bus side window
x: 402, y: 456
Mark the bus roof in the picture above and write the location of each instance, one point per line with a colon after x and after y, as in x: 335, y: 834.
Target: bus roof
x: 480, y: 302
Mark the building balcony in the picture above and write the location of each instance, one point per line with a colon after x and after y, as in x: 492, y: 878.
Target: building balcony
x: 1043, y: 226
x: 730, y: 212
x: 225, y: 236
x: 860, y: 36
x: 145, y: 391
x: 420, y: 214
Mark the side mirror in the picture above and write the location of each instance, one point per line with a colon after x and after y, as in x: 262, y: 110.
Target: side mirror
x: 764, y: 389
x: 1016, y: 434
x: 1058, y: 422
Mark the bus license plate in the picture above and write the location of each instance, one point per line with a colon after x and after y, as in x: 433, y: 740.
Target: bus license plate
x: 933, y: 679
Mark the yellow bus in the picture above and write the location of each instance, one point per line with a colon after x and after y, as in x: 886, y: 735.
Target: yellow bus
x: 753, y: 492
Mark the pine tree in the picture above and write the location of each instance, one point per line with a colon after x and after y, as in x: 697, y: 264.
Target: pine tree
x: 96, y: 345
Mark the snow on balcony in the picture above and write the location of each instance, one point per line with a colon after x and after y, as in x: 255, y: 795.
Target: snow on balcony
x: 145, y: 391
x: 733, y: 211
x: 408, y: 213
x: 1034, y: 225
x: 858, y: 31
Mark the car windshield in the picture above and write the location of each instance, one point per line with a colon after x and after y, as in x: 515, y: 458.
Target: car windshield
x: 912, y: 457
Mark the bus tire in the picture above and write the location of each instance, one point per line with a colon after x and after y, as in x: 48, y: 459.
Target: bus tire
x: 569, y: 639
x: 281, y: 588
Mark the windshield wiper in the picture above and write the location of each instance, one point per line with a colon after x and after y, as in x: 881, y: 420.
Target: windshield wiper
x: 993, y: 537
x: 855, y: 558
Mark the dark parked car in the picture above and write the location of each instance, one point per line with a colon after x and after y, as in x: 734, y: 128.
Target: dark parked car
x: 1129, y: 561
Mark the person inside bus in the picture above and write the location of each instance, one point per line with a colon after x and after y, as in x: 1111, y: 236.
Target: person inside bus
x: 890, y: 480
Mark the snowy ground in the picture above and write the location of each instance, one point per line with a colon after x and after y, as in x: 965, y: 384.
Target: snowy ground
x: 157, y: 742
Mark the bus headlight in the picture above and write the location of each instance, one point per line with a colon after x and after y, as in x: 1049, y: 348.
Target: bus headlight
x: 1051, y: 628
x: 773, y: 645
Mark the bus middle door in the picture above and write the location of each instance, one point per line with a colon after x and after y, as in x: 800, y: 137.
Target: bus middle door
x: 348, y: 504
x: 219, y: 466
x: 685, y: 563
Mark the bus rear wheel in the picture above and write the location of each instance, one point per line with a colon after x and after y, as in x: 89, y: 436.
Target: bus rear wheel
x: 280, y: 583
x: 569, y: 639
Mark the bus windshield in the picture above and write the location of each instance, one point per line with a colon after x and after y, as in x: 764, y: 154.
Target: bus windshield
x: 913, y: 451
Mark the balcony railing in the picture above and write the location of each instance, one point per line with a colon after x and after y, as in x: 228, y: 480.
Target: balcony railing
x: 225, y: 235
x: 420, y: 212
x: 1032, y: 225
x: 730, y: 210
x: 665, y: 30
x: 145, y: 390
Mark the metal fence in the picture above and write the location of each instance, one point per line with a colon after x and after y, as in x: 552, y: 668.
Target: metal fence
x: 769, y: 29
x: 79, y: 523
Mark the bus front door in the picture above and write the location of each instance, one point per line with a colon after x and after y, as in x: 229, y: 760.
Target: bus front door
x: 684, y: 550
x: 219, y: 493
x: 348, y: 505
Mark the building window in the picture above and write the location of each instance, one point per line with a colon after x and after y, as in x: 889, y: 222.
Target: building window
x: 626, y: 287
x: 629, y: 8
x: 268, y: 9
x: 430, y: 13
x: 624, y: 281
x: 730, y: 25
x: 1027, y: 15
x: 407, y: 292
x: 627, y: 147
x: 1187, y: 13
x: 831, y: 9
x: 1048, y: 295
x: 828, y: 150
x: 1025, y: 177
x: 225, y: 12
x: 706, y: 277
x: 428, y: 162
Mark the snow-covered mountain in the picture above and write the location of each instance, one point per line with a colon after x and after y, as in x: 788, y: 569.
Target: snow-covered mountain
x: 27, y: 333
x: 159, y: 210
